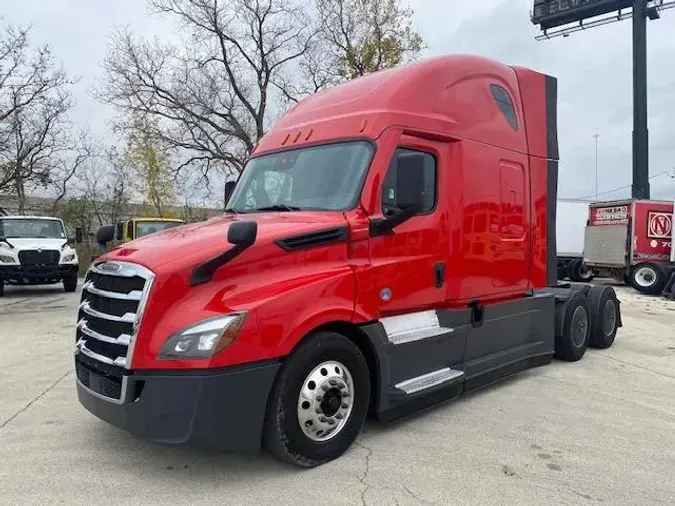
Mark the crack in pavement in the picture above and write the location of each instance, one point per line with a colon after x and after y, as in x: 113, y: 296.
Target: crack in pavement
x: 412, y: 494
x: 362, y: 479
x: 37, y: 398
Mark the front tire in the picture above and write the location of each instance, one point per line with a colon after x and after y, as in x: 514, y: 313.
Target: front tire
x: 318, y: 402
x: 70, y: 284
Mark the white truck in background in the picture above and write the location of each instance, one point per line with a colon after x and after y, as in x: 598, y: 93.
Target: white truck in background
x: 571, y: 220
x: 34, y: 250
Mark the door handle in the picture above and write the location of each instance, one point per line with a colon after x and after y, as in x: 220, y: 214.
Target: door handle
x: 439, y: 274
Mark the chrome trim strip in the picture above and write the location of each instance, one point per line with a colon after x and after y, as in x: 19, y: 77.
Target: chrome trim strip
x: 127, y: 318
x: 133, y: 295
x: 139, y: 315
x: 123, y: 339
x: 81, y: 346
x: 103, y: 397
x: 121, y: 269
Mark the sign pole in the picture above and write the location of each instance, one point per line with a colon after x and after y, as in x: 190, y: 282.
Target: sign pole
x: 640, y: 188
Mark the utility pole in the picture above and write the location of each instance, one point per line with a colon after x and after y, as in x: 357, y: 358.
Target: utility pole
x: 640, y: 188
x: 595, y: 136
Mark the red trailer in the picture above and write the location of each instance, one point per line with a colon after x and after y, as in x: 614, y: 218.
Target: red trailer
x: 631, y: 240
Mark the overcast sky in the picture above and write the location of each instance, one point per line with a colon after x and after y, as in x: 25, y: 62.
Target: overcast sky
x: 594, y: 71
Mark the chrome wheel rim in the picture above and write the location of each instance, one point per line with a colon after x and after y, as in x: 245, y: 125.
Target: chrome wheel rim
x: 326, y: 400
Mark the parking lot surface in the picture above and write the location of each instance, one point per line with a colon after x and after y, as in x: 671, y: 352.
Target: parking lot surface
x: 598, y: 431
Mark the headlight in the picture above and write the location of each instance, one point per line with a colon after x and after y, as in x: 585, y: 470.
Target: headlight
x: 203, y: 339
x: 69, y: 258
x: 6, y: 260
x: 4, y: 245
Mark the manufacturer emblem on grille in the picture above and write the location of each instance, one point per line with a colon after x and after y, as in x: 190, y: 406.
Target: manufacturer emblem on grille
x: 109, y: 266
x: 39, y: 250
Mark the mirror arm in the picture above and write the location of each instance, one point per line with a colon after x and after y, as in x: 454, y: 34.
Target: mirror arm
x: 386, y: 226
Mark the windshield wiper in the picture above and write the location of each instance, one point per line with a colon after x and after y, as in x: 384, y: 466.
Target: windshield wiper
x: 279, y: 207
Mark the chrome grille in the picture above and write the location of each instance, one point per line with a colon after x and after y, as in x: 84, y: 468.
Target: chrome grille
x: 110, y: 312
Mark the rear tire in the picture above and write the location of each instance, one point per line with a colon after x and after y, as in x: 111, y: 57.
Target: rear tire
x: 604, y: 316
x: 325, y: 385
x: 576, y: 329
x: 648, y: 278
x: 70, y: 284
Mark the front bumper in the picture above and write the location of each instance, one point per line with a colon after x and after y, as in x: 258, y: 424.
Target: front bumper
x: 19, y: 272
x: 221, y: 409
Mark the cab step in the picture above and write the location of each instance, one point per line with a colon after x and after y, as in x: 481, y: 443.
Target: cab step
x: 429, y: 380
x: 413, y: 327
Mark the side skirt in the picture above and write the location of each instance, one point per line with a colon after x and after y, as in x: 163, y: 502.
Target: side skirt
x: 431, y: 357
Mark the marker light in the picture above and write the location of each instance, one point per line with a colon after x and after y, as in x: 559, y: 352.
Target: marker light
x: 203, y: 339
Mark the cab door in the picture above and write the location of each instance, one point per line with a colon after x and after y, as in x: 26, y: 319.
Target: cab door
x: 409, y: 263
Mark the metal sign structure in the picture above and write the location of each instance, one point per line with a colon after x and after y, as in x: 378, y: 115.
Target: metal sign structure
x: 570, y: 16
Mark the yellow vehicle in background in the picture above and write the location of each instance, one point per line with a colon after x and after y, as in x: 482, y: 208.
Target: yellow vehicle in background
x: 110, y: 236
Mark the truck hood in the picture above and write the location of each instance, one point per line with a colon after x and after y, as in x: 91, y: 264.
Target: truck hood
x: 33, y: 243
x: 200, y: 241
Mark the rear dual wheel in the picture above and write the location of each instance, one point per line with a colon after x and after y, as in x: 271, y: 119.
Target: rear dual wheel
x: 589, y: 317
x: 318, y: 402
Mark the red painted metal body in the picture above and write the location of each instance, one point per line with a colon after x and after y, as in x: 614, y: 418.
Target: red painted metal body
x: 489, y: 225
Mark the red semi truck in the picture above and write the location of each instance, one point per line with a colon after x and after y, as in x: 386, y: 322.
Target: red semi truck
x: 389, y: 245
x: 631, y: 240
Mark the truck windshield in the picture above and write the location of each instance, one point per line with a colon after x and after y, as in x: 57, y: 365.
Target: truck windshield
x: 325, y: 177
x: 31, y: 229
x: 150, y: 227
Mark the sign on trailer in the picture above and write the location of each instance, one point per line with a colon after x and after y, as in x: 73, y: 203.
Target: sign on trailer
x: 660, y: 225
x: 551, y: 13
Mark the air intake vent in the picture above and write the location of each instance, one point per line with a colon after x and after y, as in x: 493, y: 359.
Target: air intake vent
x: 333, y: 235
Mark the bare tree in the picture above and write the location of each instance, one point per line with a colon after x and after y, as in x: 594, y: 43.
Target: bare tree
x: 209, y: 97
x: 34, y: 103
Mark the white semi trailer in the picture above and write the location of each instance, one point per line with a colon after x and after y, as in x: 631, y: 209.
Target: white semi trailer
x: 571, y: 219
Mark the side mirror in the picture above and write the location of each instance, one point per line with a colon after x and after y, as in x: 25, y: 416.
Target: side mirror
x: 242, y: 233
x: 78, y: 235
x: 105, y: 234
x: 119, y: 231
x: 410, y: 182
x: 229, y: 188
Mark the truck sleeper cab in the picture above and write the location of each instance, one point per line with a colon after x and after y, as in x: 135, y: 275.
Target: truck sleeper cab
x: 389, y: 245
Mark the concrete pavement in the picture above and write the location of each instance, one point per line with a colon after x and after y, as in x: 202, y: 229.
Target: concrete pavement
x: 599, y: 431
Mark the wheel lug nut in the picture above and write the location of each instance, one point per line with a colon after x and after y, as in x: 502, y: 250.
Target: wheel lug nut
x: 324, y: 388
x: 319, y: 398
x: 332, y: 382
x: 338, y: 416
x: 323, y: 419
x: 344, y: 405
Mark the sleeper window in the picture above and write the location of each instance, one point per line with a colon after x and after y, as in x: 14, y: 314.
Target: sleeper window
x: 389, y: 205
x: 505, y: 105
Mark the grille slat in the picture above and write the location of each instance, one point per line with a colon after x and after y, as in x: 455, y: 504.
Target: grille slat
x: 111, y: 306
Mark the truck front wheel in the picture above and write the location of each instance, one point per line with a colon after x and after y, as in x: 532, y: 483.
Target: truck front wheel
x: 70, y: 283
x: 319, y: 401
